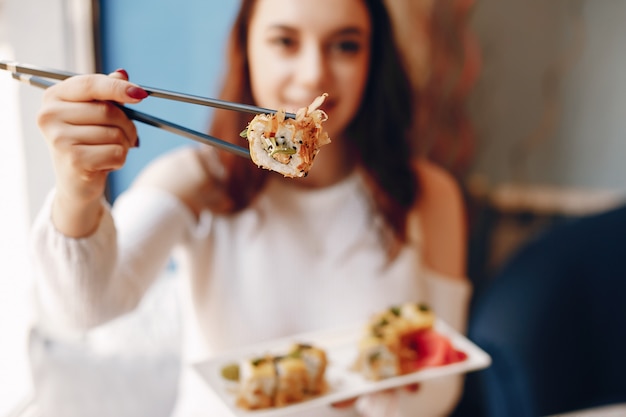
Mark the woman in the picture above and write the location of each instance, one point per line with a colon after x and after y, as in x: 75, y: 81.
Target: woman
x: 264, y: 256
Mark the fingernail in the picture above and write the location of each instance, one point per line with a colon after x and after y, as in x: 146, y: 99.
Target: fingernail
x: 136, y: 92
x: 123, y: 72
x: 137, y: 142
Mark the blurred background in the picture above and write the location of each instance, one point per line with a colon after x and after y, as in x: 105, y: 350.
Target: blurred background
x: 522, y: 100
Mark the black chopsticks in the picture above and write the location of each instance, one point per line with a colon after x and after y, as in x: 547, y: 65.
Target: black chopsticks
x: 152, y: 121
x: 35, y: 76
x: 17, y: 68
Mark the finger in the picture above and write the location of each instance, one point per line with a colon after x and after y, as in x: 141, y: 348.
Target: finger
x: 96, y: 87
x: 120, y: 74
x: 68, y: 138
x: 97, y: 158
x: 65, y: 114
x: 99, y: 113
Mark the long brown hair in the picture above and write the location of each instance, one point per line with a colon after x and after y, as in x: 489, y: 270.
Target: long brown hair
x: 443, y: 57
x: 377, y: 135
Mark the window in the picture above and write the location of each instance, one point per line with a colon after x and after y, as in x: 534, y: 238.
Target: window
x: 25, y: 170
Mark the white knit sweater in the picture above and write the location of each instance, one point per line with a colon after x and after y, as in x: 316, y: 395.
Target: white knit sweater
x: 294, y: 261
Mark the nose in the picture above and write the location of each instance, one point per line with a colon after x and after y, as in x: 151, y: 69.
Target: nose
x: 312, y: 67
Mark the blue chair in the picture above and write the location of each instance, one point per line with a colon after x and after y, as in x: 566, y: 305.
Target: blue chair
x: 554, y: 321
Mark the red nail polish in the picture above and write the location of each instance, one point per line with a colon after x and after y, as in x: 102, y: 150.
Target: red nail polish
x: 137, y: 142
x: 136, y: 93
x: 123, y: 72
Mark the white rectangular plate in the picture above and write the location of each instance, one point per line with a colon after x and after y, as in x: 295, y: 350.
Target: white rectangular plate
x: 344, y: 383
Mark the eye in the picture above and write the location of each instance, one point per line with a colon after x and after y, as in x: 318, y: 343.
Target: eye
x: 283, y: 42
x: 346, y: 47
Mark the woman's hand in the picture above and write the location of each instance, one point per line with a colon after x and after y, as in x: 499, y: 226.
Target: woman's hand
x: 88, y: 136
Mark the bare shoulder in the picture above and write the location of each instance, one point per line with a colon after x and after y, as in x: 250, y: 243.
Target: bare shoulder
x: 442, y: 215
x: 179, y: 172
x: 439, y: 188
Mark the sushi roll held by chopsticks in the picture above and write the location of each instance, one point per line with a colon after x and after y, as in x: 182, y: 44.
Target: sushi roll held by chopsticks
x: 288, y: 146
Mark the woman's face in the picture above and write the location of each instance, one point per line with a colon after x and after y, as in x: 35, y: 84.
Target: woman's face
x: 299, y: 49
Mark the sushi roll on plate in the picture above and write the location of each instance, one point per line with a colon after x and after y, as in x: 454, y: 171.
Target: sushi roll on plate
x: 315, y: 362
x: 387, y: 347
x: 258, y: 383
x: 279, y: 380
x: 291, y: 380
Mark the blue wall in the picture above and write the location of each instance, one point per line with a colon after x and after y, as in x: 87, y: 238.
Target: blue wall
x: 167, y: 44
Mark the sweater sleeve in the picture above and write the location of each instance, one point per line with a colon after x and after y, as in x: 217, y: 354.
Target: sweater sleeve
x: 449, y: 298
x: 84, y: 282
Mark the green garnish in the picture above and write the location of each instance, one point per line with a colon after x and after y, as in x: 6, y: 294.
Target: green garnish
x: 295, y: 354
x: 258, y: 361
x: 395, y: 311
x: 374, y: 357
x: 244, y: 133
x: 423, y: 307
x: 283, y: 150
x: 231, y: 372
